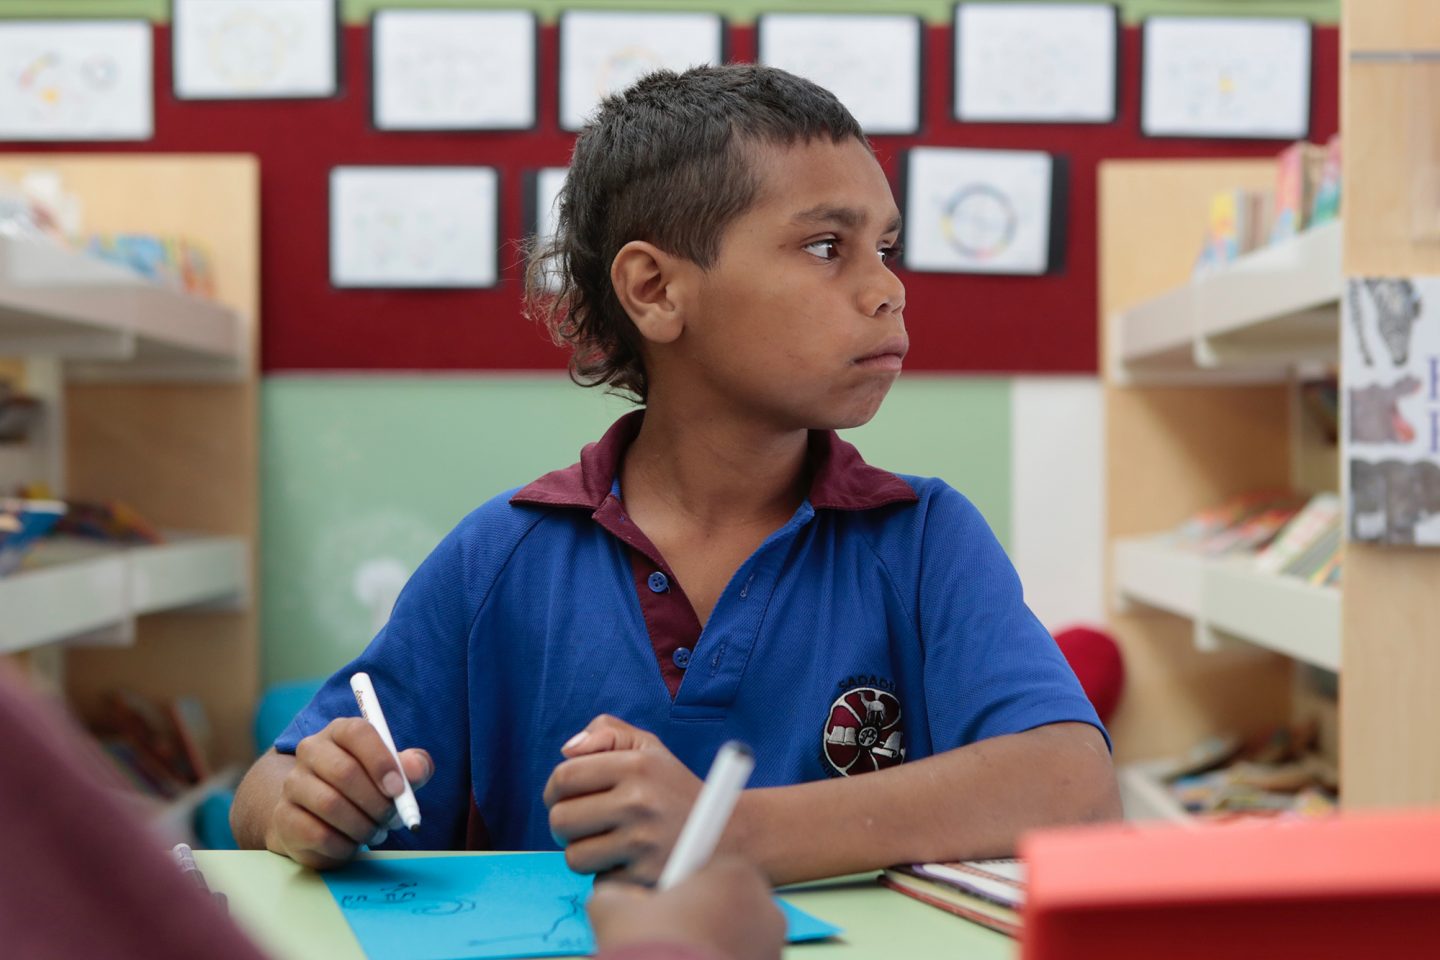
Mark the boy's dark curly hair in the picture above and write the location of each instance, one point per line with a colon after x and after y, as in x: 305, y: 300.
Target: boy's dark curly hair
x: 665, y: 161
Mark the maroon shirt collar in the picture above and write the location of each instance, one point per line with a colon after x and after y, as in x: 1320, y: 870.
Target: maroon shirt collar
x: 842, y: 480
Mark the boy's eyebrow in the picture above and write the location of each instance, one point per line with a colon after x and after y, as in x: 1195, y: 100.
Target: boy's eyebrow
x: 848, y: 217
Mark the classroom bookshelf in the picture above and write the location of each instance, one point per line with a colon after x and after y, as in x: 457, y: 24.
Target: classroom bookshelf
x: 150, y: 399
x: 1201, y: 402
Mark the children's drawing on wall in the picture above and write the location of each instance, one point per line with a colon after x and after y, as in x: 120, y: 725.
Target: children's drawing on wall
x: 414, y: 226
x: 76, y: 80
x: 605, y: 51
x: 1390, y: 370
x: 542, y: 214
x: 983, y: 211
x: 255, y: 49
x: 454, y: 69
x: 871, y: 62
x: 1046, y: 63
x: 1219, y: 77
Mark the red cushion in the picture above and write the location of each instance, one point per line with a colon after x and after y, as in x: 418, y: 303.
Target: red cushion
x: 1095, y: 658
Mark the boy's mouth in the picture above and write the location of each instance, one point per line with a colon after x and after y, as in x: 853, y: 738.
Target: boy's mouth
x: 890, y: 355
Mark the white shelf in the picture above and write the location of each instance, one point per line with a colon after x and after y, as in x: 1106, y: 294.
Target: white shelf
x: 1228, y: 597
x: 82, y: 592
x: 108, y: 322
x: 1145, y: 796
x: 1253, y: 319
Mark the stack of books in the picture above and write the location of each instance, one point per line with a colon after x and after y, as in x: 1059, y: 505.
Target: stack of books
x: 1311, y: 545
x: 987, y: 892
x: 161, y: 749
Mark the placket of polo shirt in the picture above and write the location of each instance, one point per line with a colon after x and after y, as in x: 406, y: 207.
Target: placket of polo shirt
x: 712, y: 680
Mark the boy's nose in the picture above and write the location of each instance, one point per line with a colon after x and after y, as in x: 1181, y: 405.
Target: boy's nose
x: 884, y: 294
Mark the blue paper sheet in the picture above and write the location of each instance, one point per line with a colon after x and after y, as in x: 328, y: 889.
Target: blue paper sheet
x: 503, y: 905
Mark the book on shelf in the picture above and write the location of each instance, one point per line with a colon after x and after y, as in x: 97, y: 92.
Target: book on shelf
x: 1319, y: 515
x: 988, y: 892
x: 1326, y: 202
x: 1298, y: 171
x: 160, y: 748
x: 1317, y: 556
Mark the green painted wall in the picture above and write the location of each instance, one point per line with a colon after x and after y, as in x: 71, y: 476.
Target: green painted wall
x: 740, y: 10
x: 363, y: 469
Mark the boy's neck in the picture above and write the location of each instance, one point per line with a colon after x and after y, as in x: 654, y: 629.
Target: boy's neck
x: 714, y: 472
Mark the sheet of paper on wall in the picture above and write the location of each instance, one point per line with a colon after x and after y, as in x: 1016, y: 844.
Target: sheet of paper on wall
x: 427, y: 227
x: 1226, y: 77
x: 1036, y: 62
x: 605, y: 51
x: 501, y: 905
x: 255, y: 49
x: 542, y: 213
x: 76, y: 80
x: 454, y: 69
x: 871, y: 62
x: 1390, y: 382
x: 983, y: 211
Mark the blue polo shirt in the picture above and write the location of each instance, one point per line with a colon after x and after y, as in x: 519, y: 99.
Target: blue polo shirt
x: 883, y: 623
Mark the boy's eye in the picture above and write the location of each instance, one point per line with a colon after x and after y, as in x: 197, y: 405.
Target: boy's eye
x: 891, y: 254
x: 827, y: 249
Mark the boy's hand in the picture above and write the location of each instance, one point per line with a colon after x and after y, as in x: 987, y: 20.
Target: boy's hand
x: 340, y: 793
x: 725, y: 907
x: 618, y: 803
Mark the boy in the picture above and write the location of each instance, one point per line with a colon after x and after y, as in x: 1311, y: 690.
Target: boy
x: 720, y: 565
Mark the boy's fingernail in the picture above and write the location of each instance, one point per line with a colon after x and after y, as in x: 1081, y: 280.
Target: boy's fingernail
x: 576, y: 740
x: 380, y: 837
x: 392, y: 784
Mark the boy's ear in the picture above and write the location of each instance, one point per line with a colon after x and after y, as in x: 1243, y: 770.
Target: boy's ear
x: 645, y: 281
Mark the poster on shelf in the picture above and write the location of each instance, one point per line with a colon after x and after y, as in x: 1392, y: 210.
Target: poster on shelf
x: 1222, y: 77
x: 426, y: 227
x: 604, y: 51
x: 871, y: 62
x: 76, y: 80
x: 1036, y: 62
x: 255, y: 49
x: 983, y: 211
x: 1390, y: 382
x: 542, y: 197
x: 453, y: 69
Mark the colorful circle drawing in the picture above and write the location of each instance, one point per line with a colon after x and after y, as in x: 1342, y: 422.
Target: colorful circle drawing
x: 623, y: 67
x: 979, y: 221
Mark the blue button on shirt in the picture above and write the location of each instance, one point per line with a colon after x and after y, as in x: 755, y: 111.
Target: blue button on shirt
x: 658, y: 582
x: 681, y: 657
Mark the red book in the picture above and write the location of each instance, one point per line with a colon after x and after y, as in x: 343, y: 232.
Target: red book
x: 1355, y: 885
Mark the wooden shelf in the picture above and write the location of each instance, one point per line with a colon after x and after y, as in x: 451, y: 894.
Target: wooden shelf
x: 1227, y: 597
x: 82, y: 592
x: 1252, y: 320
x: 109, y: 323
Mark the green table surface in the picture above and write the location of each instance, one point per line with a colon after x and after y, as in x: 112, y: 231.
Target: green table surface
x: 289, y: 911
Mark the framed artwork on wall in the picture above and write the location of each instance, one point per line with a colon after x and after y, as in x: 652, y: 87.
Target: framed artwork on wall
x: 453, y: 69
x: 1036, y: 62
x: 542, y: 196
x: 983, y: 211
x: 1228, y: 78
x: 871, y: 62
x: 76, y: 80
x: 255, y: 49
x: 422, y: 226
x: 604, y: 51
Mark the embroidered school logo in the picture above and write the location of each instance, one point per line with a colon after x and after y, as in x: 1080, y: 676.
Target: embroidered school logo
x: 863, y: 732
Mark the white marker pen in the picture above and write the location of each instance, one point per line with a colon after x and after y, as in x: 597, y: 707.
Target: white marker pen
x: 405, y: 804
x: 728, y: 776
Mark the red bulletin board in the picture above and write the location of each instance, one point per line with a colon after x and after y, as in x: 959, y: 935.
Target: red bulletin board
x: 958, y: 323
